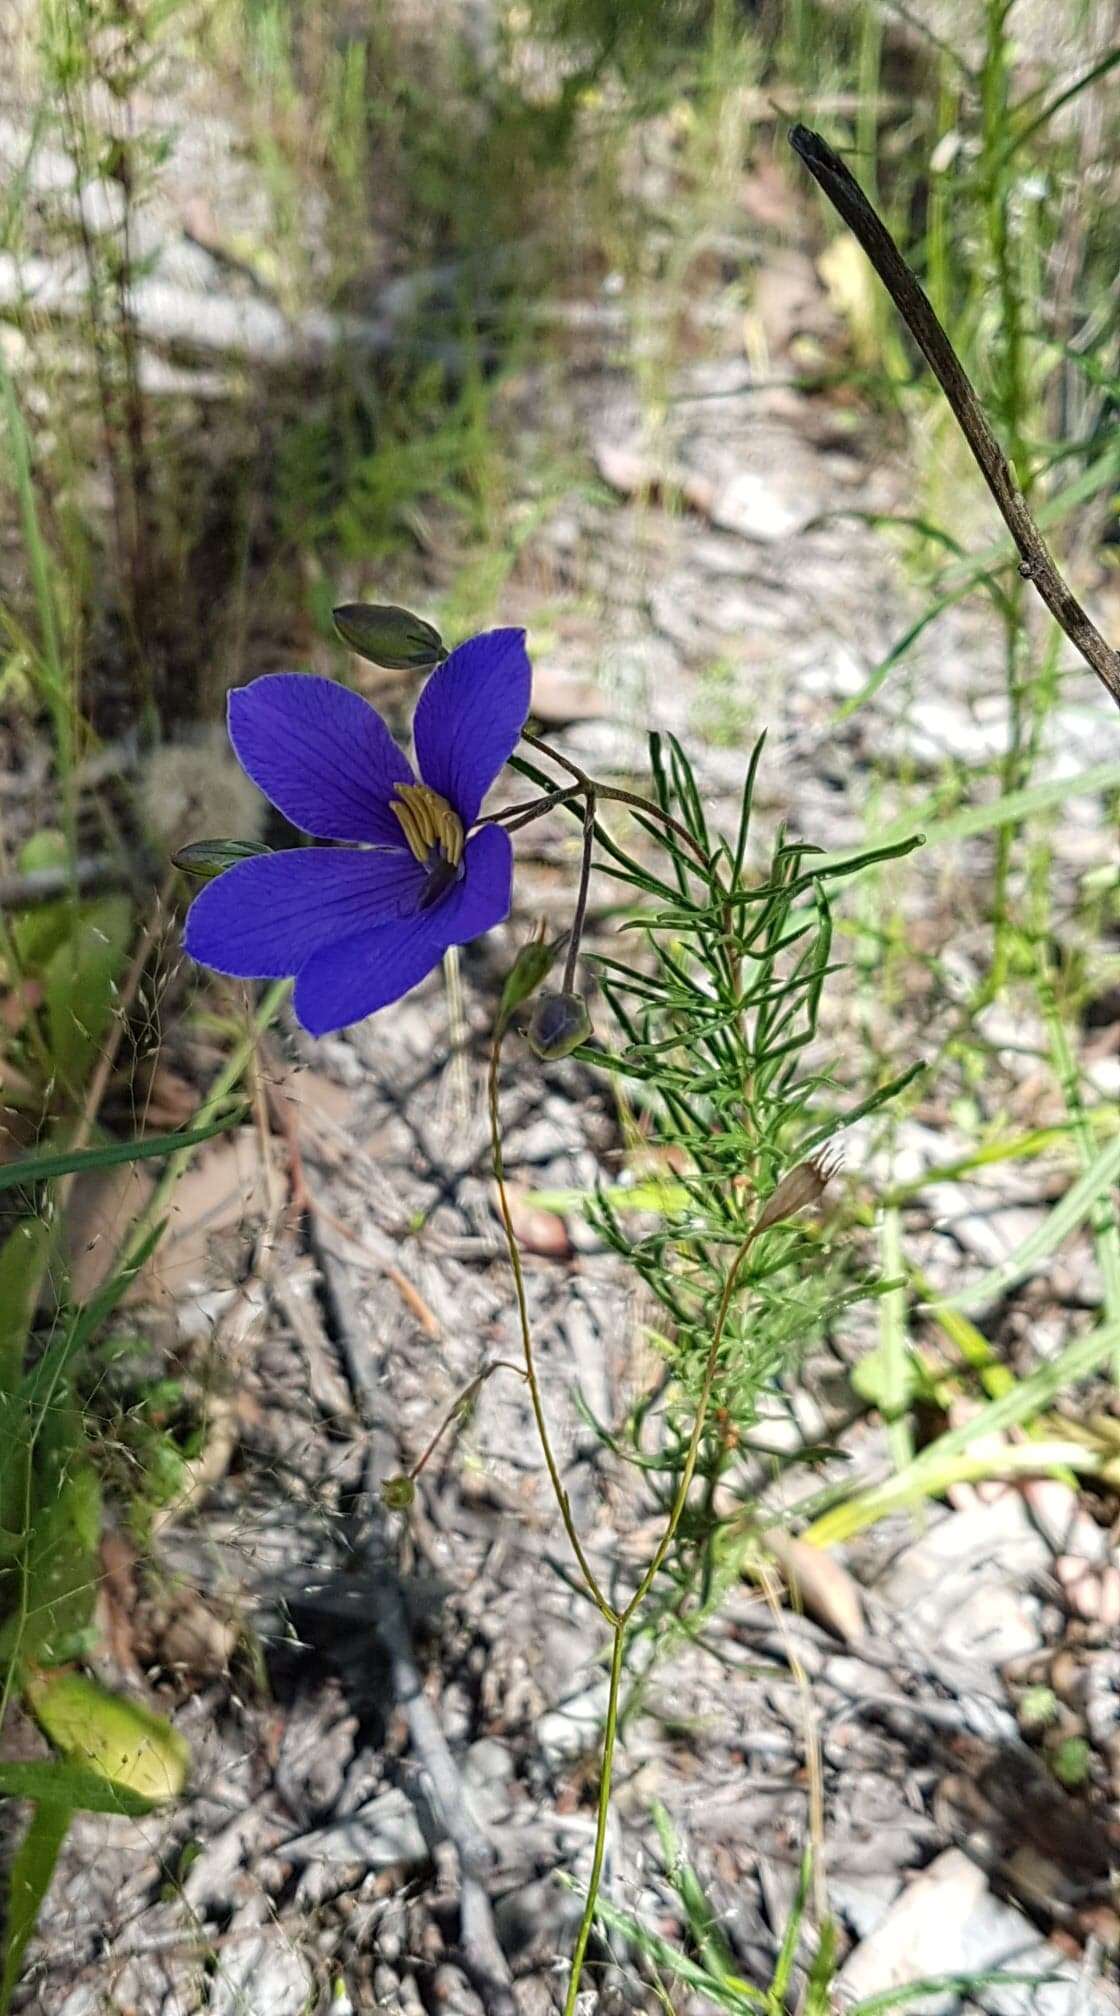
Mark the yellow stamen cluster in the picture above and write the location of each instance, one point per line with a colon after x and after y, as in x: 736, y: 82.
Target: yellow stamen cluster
x: 427, y: 821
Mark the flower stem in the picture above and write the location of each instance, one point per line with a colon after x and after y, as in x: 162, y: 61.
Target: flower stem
x: 620, y: 1623
x: 603, y: 1814
x: 569, y: 980
x: 527, y: 809
x: 698, y: 1424
x: 620, y: 797
x: 605, y: 1609
x: 458, y: 1408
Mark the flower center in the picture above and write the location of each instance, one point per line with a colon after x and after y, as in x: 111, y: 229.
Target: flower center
x: 428, y: 822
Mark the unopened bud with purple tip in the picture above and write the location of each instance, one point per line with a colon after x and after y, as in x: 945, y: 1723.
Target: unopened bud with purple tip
x: 560, y: 1024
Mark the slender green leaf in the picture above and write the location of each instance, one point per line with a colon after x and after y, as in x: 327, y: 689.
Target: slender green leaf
x: 52, y: 1782
x: 925, y: 1475
x: 1075, y: 1207
x: 1011, y: 810
x: 31, y: 1872
x: 44, y: 1168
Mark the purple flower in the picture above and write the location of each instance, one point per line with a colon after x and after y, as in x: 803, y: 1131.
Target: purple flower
x: 361, y: 924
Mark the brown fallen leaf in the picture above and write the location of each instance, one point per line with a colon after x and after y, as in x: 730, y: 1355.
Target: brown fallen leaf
x: 192, y: 1634
x: 818, y: 1583
x: 220, y: 1193
x: 103, y: 1205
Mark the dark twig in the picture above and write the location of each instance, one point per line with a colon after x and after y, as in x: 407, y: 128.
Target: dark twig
x: 913, y: 304
x: 482, y: 1953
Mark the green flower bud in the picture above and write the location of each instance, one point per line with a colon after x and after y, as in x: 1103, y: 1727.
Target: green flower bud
x: 388, y: 636
x: 526, y: 973
x: 398, y: 1494
x: 208, y: 858
x: 560, y: 1023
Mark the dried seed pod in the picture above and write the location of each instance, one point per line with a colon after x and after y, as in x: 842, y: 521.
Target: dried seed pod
x: 800, y: 1186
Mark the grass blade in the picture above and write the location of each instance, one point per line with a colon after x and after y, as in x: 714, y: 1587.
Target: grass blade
x: 43, y: 1168
x: 1078, y: 1204
x: 30, y: 1878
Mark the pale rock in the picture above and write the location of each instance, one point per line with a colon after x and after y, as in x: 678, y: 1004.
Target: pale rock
x: 267, y: 1974
x: 573, y: 1729
x: 947, y: 1922
x: 750, y: 505
x: 966, y: 1583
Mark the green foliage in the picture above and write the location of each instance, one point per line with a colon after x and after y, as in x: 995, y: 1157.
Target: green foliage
x: 71, y: 1785
x: 80, y: 983
x: 121, y: 1742
x: 716, y: 1007
x: 705, y: 1965
x: 32, y: 1169
x: 31, y: 1872
x: 70, y: 956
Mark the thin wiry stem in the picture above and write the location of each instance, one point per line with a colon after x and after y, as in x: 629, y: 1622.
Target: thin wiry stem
x: 458, y: 1408
x: 605, y: 1609
x: 693, y: 1451
x: 610, y: 1733
x: 620, y: 797
x: 569, y: 980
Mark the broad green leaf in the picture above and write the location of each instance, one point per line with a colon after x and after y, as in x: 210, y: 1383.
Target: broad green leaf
x: 116, y: 1739
x: 38, y: 932
x: 31, y: 1872
x: 41, y: 1383
x: 44, y: 1168
x: 60, y: 1573
x: 15, y: 1468
x: 22, y: 1258
x: 79, y: 984
x: 54, y: 1783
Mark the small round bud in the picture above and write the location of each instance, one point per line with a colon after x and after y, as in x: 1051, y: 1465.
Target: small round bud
x: 398, y: 1494
x: 560, y: 1023
x: 208, y: 858
x: 388, y: 636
